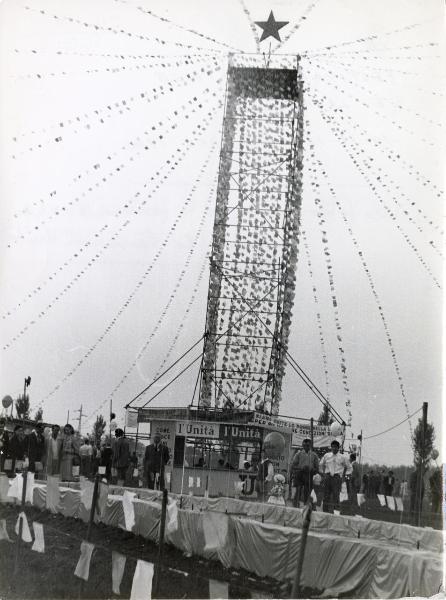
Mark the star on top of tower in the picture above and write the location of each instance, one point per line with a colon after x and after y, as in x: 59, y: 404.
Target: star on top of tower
x: 271, y: 27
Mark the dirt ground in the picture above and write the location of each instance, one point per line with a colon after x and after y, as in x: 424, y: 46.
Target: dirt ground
x: 51, y: 574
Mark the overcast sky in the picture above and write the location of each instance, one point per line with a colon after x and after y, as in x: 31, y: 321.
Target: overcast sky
x: 98, y: 289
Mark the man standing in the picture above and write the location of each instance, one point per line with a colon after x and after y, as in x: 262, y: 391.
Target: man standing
x: 388, y: 484
x: 334, y: 467
x: 264, y: 478
x: 155, y: 458
x: 304, y: 466
x: 4, y: 441
x: 16, y: 446
x: 121, y: 455
x: 86, y: 455
x: 36, y: 447
x: 52, y: 453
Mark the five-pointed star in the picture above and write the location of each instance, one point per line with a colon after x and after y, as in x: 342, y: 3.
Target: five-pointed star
x: 271, y: 27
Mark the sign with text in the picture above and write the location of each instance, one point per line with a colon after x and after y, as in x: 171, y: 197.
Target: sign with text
x: 240, y: 433
x: 199, y: 429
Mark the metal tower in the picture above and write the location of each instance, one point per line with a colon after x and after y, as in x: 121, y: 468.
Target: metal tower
x: 254, y: 249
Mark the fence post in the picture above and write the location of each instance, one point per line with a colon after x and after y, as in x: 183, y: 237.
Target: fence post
x: 22, y: 509
x: 162, y: 529
x: 303, y: 543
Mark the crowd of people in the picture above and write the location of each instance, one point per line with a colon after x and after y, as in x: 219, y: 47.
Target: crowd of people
x: 53, y: 451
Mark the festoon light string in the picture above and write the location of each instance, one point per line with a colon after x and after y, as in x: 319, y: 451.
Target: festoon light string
x: 366, y: 53
x: 252, y: 25
x: 298, y: 24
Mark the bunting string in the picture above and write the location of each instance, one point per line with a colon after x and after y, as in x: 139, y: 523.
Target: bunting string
x: 362, y: 70
x: 120, y: 56
x: 202, y: 128
x: 369, y: 51
x: 115, y: 31
x: 388, y: 153
x: 252, y: 25
x: 380, y: 98
x: 158, y: 133
x: 180, y: 278
x: 171, y: 164
x: 146, y: 11
x: 320, y: 213
x: 304, y: 16
x: 99, y: 116
x: 304, y: 240
x: 387, y: 183
x: 370, y: 38
x: 130, y: 297
x: 396, y: 124
x: 338, y: 135
x: 379, y: 304
x: 111, y: 70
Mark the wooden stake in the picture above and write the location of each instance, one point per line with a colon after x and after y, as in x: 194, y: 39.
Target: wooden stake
x: 158, y: 567
x: 295, y: 593
x: 22, y: 509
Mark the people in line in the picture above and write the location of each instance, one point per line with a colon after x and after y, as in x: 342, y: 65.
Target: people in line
x: 156, y: 456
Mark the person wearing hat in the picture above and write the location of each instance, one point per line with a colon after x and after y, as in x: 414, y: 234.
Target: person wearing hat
x: 304, y: 466
x: 333, y: 468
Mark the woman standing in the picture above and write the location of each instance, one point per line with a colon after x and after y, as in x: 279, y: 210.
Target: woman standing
x: 69, y: 453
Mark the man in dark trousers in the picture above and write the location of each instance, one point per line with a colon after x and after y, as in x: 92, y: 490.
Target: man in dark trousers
x: 304, y: 466
x: 16, y: 447
x: 155, y: 458
x: 121, y: 455
x: 35, y: 447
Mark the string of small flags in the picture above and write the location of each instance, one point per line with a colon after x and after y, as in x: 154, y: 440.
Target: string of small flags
x: 372, y: 93
x: 303, y: 239
x: 158, y: 133
x: 379, y: 304
x: 252, y: 25
x: 388, y: 184
x: 171, y: 164
x: 120, y: 56
x: 338, y: 133
x: 353, y: 67
x: 397, y: 124
x: 304, y: 16
x: 99, y: 116
x: 365, y: 53
x: 178, y: 26
x: 112, y: 70
x: 320, y: 213
x: 115, y: 31
x: 378, y: 174
x: 388, y: 153
x: 183, y: 272
x: 368, y: 38
x: 130, y: 297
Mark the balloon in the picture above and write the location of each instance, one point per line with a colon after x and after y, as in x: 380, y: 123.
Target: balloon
x: 7, y: 401
x: 274, y: 445
x: 434, y: 454
x: 335, y: 429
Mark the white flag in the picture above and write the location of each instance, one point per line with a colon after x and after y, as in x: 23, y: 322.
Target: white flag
x: 118, y: 565
x: 399, y: 504
x: 26, y: 533
x: 142, y: 581
x: 361, y: 499
x: 29, y: 487
x: 39, y: 541
x: 172, y: 512
x: 3, y: 531
x: 83, y: 564
x: 390, y: 502
x: 382, y: 499
x: 129, y: 510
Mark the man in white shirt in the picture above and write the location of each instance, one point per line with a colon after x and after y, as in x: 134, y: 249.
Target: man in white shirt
x: 333, y: 467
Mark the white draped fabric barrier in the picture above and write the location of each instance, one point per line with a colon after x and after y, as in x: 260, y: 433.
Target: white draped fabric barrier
x: 384, y: 563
